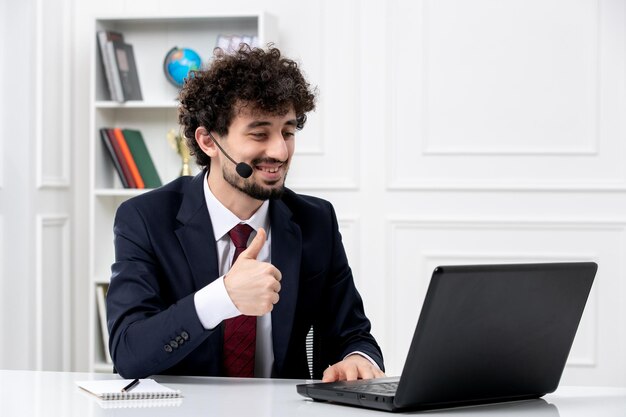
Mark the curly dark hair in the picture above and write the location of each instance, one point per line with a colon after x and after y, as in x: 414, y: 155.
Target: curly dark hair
x: 264, y: 80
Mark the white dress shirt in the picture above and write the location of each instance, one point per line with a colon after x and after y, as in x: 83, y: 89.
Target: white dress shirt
x: 212, y: 302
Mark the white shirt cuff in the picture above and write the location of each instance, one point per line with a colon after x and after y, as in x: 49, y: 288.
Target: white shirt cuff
x: 365, y: 356
x: 213, y: 305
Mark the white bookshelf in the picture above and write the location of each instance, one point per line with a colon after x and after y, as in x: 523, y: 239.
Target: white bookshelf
x: 152, y: 37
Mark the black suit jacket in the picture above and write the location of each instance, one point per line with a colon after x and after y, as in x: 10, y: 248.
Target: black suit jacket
x: 165, y: 251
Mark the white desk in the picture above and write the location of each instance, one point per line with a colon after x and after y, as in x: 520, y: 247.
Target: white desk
x: 52, y: 394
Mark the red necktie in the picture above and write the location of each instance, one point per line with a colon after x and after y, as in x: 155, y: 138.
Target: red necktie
x: 240, y: 331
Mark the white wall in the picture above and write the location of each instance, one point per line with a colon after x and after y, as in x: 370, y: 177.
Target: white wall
x: 17, y: 305
x: 446, y: 131
x: 36, y: 298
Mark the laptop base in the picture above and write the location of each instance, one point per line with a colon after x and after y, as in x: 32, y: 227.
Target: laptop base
x: 342, y: 394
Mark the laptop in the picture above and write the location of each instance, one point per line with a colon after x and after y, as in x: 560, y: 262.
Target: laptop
x: 486, y: 334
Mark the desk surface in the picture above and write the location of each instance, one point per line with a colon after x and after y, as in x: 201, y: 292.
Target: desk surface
x: 51, y: 394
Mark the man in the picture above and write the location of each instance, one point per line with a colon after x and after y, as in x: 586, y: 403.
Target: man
x: 225, y: 273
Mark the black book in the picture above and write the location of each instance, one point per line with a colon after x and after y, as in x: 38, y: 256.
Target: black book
x: 127, y: 70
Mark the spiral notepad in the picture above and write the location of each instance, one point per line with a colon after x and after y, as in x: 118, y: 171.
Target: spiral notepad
x: 111, y: 389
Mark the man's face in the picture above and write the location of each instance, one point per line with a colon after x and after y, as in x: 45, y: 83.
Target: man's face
x: 266, y: 143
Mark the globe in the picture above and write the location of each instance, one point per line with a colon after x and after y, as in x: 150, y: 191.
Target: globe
x: 179, y: 62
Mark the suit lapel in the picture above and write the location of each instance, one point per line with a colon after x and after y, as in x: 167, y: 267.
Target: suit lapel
x: 286, y: 252
x: 197, y: 240
x: 196, y: 235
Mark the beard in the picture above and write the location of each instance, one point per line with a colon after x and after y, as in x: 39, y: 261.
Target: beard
x: 251, y: 188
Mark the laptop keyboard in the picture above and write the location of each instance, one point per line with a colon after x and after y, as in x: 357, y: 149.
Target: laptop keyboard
x: 375, y: 388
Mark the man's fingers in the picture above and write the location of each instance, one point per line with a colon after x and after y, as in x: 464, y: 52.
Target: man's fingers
x: 255, y: 246
x: 366, y: 373
x: 352, y: 368
x: 352, y: 373
x: 330, y: 374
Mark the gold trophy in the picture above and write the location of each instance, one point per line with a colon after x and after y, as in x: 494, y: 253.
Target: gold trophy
x: 177, y: 142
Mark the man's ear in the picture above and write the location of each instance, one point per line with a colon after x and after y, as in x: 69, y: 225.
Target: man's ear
x: 204, y: 141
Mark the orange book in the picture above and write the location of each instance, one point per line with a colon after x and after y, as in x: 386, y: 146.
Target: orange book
x: 128, y: 157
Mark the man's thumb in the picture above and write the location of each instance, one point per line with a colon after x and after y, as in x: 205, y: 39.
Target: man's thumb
x: 257, y: 243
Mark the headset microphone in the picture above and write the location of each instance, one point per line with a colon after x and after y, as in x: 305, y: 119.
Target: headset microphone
x: 244, y: 170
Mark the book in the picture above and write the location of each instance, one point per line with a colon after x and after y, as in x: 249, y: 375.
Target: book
x: 142, y: 158
x: 127, y: 71
x: 121, y: 159
x: 101, y: 290
x: 111, y: 389
x: 128, y: 157
x: 109, y: 62
x: 115, y: 158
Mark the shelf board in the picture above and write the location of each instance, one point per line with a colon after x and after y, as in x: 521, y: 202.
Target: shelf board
x: 139, y: 104
x: 160, y: 19
x: 119, y: 192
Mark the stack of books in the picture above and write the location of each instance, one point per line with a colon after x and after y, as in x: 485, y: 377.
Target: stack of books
x: 131, y: 158
x: 118, y: 60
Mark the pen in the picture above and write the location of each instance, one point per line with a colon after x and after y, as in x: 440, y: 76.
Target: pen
x: 130, y: 386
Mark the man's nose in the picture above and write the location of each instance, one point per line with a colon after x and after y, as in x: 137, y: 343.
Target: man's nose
x: 277, y: 148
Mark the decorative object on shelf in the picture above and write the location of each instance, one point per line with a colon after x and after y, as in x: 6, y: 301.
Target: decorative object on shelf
x: 231, y: 43
x: 179, y: 62
x: 177, y: 142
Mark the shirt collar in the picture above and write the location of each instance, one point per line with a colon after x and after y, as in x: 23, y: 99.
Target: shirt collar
x: 223, y: 219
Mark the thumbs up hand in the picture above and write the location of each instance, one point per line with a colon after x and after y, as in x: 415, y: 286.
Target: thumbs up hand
x: 252, y: 251
x: 253, y: 286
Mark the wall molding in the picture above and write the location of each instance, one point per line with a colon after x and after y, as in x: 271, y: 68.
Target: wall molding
x: 420, y: 14
x: 3, y: 94
x: 2, y: 288
x: 330, y: 184
x: 43, y: 16
x: 590, y: 321
x: 592, y: 149
x: 589, y: 332
x: 346, y: 180
x: 59, y: 224
x: 499, y: 186
x: 350, y: 227
x: 513, y: 223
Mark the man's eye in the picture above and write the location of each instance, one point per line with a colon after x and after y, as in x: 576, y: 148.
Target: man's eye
x: 289, y: 134
x: 258, y: 135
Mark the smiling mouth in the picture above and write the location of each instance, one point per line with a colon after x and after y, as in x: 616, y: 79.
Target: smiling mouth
x: 271, y: 170
x: 269, y: 165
